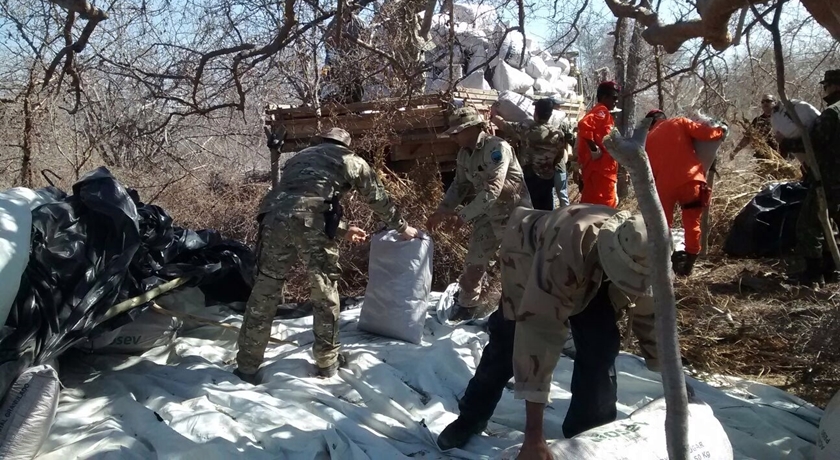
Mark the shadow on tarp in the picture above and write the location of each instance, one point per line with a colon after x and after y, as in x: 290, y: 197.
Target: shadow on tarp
x: 100, y: 246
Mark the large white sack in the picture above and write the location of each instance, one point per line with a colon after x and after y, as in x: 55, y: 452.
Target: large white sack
x: 783, y: 124
x: 480, y: 16
x: 828, y: 437
x: 475, y: 80
x: 642, y: 437
x: 511, y: 50
x: 147, y: 331
x: 543, y: 86
x: 707, y: 151
x: 515, y: 107
x: 536, y: 68
x: 474, y: 47
x: 567, y: 83
x: 506, y: 78
x: 562, y: 64
x: 27, y: 413
x: 399, y: 283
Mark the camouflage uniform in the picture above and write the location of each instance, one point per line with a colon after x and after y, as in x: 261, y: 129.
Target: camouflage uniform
x: 825, y: 136
x: 550, y: 274
x: 492, y: 174
x: 292, y: 226
x: 541, y: 155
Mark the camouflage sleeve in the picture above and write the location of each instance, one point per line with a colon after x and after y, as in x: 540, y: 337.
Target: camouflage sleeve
x: 364, y: 179
x: 644, y: 328
x: 823, y: 131
x: 457, y: 191
x: 497, y: 160
x: 510, y: 128
x: 540, y: 331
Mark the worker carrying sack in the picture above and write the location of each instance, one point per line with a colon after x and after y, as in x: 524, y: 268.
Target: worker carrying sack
x: 642, y: 437
x: 399, y: 282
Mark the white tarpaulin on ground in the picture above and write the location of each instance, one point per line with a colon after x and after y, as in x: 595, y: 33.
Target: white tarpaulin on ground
x: 182, y: 402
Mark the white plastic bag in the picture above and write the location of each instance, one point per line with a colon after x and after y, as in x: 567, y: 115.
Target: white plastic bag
x: 511, y: 50
x: 399, y: 282
x: 28, y: 412
x: 828, y: 437
x: 475, y: 80
x: 506, y: 78
x: 536, y: 68
x: 479, y: 16
x: 515, y: 107
x: 707, y: 151
x: 542, y: 86
x: 562, y: 64
x: 783, y: 124
x: 642, y: 437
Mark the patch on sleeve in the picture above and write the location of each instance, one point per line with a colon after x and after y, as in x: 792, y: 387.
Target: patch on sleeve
x: 496, y: 156
x: 600, y: 114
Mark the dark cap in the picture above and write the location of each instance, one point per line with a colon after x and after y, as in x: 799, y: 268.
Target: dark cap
x: 831, y: 77
x: 654, y: 113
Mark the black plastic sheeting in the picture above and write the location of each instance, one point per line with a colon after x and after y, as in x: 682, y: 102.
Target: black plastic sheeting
x: 96, y: 248
x: 766, y: 227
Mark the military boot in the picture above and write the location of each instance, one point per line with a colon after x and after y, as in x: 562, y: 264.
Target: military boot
x: 249, y: 378
x: 332, y: 369
x: 812, y: 275
x: 459, y: 432
x: 829, y: 272
x: 683, y: 263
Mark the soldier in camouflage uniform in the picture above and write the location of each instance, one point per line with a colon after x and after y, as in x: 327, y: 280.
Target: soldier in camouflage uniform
x: 541, y: 151
x: 825, y: 136
x: 581, y: 265
x: 487, y: 169
x: 294, y: 220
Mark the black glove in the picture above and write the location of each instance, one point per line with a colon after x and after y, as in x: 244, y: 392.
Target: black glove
x: 274, y: 141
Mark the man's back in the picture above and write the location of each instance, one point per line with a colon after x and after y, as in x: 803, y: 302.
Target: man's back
x: 670, y: 149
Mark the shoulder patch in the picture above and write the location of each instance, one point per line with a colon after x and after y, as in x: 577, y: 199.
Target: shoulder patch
x: 496, y: 156
x: 600, y: 114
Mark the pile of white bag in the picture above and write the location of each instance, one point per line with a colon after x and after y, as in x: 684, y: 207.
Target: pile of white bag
x: 465, y: 56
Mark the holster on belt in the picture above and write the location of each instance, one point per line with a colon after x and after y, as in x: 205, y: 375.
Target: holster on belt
x: 332, y: 216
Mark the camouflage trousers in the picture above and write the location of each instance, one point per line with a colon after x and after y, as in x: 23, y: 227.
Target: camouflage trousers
x: 484, y: 244
x: 282, y: 240
x: 809, y: 232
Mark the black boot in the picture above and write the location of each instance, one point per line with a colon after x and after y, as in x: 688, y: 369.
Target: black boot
x: 459, y: 432
x: 249, y: 378
x: 683, y: 263
x: 811, y: 276
x: 829, y: 272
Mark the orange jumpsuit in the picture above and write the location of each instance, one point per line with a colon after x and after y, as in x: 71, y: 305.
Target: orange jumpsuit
x: 599, y: 176
x: 678, y: 174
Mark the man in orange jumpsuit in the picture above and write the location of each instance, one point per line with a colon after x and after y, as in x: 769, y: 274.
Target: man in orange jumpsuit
x: 599, y: 170
x: 680, y: 177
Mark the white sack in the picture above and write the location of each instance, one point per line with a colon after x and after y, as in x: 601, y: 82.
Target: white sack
x: 783, y: 124
x: 562, y: 64
x: 707, y: 151
x: 536, y: 68
x: 148, y: 331
x: 399, y: 282
x: 28, y: 412
x: 480, y: 16
x: 642, y: 437
x: 475, y: 80
x: 506, y: 78
x: 566, y: 83
x: 542, y: 85
x: 511, y: 49
x: 515, y: 107
x: 474, y: 47
x: 828, y: 438
x: 15, y: 230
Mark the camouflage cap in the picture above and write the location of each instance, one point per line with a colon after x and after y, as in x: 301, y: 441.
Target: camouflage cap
x: 463, y: 118
x: 623, y: 250
x: 337, y: 134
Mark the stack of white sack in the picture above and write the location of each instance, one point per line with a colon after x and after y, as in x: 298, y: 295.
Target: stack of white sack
x: 517, y: 108
x: 483, y: 57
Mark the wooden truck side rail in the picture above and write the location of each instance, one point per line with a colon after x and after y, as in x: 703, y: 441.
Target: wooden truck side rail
x: 412, y: 128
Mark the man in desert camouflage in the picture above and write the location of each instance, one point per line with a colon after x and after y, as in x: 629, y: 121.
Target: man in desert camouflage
x: 541, y: 152
x: 487, y: 169
x: 579, y: 267
x: 301, y: 217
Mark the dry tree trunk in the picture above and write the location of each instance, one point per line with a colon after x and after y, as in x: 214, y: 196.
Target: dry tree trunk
x: 630, y: 152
